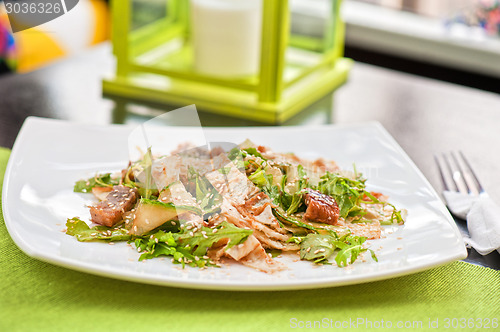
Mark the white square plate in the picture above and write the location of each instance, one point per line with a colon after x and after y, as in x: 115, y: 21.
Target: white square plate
x: 50, y: 155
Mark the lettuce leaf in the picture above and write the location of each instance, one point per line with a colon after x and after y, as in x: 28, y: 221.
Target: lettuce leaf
x: 319, y: 247
x: 207, y: 197
x: 83, y: 233
x: 203, y: 239
x: 190, y: 247
x: 254, y: 152
x: 103, y: 180
x: 346, y: 192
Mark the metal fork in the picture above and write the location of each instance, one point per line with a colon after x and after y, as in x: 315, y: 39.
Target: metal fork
x: 455, y: 166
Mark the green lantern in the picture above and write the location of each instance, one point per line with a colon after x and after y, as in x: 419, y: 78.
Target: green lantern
x: 174, y: 60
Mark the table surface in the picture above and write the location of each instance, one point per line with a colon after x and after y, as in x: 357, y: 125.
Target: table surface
x: 426, y: 117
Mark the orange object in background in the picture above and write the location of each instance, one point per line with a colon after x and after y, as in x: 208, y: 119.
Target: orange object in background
x: 85, y: 25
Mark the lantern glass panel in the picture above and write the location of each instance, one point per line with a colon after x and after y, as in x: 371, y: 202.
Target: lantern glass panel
x: 307, y: 30
x: 146, y: 12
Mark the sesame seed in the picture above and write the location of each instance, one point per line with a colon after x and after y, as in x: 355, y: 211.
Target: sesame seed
x: 111, y: 243
x: 316, y: 251
x: 173, y: 223
x: 205, y: 257
x: 308, y: 249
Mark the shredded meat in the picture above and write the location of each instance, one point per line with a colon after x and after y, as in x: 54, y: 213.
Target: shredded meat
x: 321, y: 208
x: 110, y: 211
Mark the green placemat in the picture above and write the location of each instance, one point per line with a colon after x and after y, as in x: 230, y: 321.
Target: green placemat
x: 36, y: 296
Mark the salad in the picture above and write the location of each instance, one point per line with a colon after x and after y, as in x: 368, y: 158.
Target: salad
x: 202, y: 207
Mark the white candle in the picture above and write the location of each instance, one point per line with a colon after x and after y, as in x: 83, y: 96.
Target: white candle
x: 226, y: 36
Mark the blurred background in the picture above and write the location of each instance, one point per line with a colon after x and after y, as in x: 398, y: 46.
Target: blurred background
x: 451, y: 40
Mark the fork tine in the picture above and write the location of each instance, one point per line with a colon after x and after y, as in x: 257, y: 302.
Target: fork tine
x: 457, y: 174
x: 466, y: 162
x: 451, y: 172
x: 441, y: 173
x: 462, y: 172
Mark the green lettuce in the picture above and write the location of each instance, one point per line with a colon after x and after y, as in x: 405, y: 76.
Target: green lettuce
x: 82, y: 232
x: 346, y: 192
x: 320, y: 247
x: 103, y: 180
x: 190, y: 247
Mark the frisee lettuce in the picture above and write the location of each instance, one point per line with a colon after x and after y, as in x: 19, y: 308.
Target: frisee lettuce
x: 290, y: 203
x: 281, y: 216
x: 184, y: 247
x: 207, y: 197
x: 319, y: 247
x: 254, y: 152
x: 204, y: 238
x: 165, y: 244
x: 346, y: 192
x: 82, y: 232
x: 190, y: 248
x: 103, y: 180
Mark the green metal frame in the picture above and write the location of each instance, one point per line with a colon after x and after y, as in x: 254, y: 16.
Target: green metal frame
x: 153, y: 63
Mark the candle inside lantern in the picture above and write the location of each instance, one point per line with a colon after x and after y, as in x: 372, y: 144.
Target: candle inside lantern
x: 226, y: 36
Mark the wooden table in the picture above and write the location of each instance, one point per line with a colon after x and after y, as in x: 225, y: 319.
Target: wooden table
x: 426, y: 117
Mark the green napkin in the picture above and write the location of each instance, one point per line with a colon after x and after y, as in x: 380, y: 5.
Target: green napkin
x: 36, y: 296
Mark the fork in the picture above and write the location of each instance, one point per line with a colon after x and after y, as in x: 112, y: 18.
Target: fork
x: 467, y: 200
x: 463, y: 178
x: 461, y: 185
